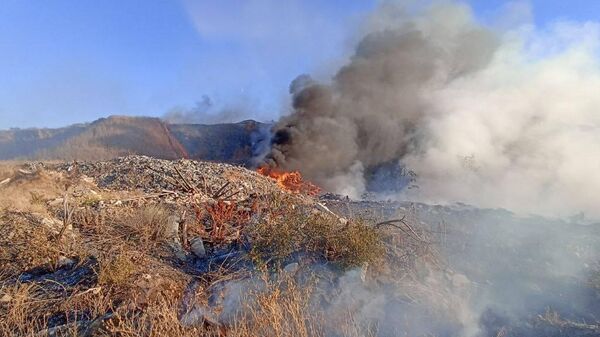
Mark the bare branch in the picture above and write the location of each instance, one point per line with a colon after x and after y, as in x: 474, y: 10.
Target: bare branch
x: 402, y: 221
x: 220, y: 191
x: 67, y: 214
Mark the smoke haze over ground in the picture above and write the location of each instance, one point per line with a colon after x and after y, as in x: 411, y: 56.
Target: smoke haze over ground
x: 205, y: 111
x: 496, y: 119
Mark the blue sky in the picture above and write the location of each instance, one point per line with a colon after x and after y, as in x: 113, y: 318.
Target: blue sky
x: 63, y: 62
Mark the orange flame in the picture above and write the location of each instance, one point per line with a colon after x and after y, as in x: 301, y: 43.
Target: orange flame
x: 290, y: 181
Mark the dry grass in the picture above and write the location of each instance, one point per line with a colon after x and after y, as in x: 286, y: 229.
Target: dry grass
x: 8, y: 169
x: 130, y: 283
x: 129, y: 277
x: 143, y: 309
x: 147, y: 225
x: 282, y: 309
x: 28, y: 193
x: 288, y: 228
x: 136, y: 290
x: 26, y: 243
x: 117, y: 270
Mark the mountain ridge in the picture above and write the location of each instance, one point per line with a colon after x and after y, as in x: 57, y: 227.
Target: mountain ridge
x: 115, y: 136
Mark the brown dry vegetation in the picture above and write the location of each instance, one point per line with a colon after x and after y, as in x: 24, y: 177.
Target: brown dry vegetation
x: 130, y: 283
x: 289, y: 228
x: 26, y: 192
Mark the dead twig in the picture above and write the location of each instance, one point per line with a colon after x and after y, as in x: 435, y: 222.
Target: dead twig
x: 169, y: 179
x: 231, y: 195
x: 150, y: 196
x: 391, y: 222
x: 67, y: 215
x: 94, y: 291
x: 26, y: 172
x: 201, y: 186
x: 219, y: 192
x: 186, y: 183
x: 183, y: 230
x: 402, y: 221
x: 5, y: 181
x: 61, y: 330
x: 206, y: 186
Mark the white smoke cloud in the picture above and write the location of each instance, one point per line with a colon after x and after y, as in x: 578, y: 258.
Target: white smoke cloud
x: 524, y: 132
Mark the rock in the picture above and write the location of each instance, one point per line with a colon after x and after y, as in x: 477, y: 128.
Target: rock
x: 291, y: 268
x: 64, y: 262
x: 54, y: 225
x: 172, y: 230
x: 178, y: 250
x: 199, y: 315
x: 197, y: 247
x: 172, y: 236
x: 56, y: 202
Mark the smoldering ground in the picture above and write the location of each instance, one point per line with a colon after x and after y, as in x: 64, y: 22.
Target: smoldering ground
x: 500, y: 119
x: 472, y: 273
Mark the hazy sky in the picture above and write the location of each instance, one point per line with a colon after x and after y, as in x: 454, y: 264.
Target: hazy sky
x: 63, y: 61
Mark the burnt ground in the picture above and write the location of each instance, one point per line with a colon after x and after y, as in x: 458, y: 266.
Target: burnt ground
x: 528, y: 275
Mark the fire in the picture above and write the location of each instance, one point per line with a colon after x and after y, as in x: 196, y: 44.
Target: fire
x: 290, y: 181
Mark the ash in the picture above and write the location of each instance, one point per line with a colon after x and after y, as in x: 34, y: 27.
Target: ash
x: 526, y: 275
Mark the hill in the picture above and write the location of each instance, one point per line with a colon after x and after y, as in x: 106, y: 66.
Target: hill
x: 116, y: 136
x: 138, y: 246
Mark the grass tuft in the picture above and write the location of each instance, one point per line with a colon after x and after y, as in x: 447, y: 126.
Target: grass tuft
x: 287, y: 229
x: 117, y: 271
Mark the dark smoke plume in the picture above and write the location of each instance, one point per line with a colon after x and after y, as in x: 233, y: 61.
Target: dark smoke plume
x: 373, y: 110
x: 496, y: 119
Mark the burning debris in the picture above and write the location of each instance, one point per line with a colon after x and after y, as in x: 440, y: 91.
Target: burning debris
x: 290, y: 181
x: 174, y: 179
